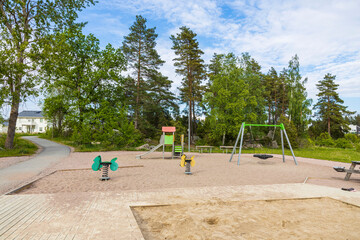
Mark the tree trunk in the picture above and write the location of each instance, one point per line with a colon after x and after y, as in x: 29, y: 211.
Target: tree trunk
x: 328, y: 120
x: 138, y: 88
x: 190, y: 116
x: 9, y: 142
x: 223, y: 140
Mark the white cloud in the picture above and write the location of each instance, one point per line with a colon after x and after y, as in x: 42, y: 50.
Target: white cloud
x: 325, y: 34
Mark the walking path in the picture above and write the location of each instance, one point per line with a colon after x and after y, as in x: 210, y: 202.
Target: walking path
x: 13, y: 176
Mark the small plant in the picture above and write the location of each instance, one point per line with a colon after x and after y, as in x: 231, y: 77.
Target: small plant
x: 357, y: 147
x: 352, y: 137
x: 343, y: 143
x: 325, y: 140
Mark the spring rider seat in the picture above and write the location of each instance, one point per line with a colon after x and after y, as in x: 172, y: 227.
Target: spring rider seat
x: 98, y: 164
x: 187, y: 163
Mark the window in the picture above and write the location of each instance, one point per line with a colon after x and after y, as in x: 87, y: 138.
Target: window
x: 20, y: 128
x: 40, y: 129
x: 29, y: 120
x: 41, y: 120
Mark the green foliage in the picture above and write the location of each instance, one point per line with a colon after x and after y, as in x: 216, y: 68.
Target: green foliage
x: 190, y: 66
x: 352, y: 138
x: 234, y: 95
x: 148, y: 92
x: 357, y: 147
x: 325, y: 140
x: 291, y: 131
x: 343, y: 143
x: 24, y: 25
x: 21, y: 147
x: 329, y: 108
x: 86, y: 86
x: 298, y: 105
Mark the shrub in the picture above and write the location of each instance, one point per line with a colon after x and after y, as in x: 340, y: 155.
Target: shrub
x: 357, y: 147
x: 325, y: 140
x: 343, y: 143
x: 352, y: 138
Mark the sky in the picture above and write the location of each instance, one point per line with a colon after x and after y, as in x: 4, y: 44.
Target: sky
x: 325, y: 34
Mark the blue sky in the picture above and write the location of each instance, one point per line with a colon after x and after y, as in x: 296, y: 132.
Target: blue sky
x: 325, y: 34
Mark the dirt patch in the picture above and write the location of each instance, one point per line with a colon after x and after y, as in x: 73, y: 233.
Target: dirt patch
x: 317, y: 218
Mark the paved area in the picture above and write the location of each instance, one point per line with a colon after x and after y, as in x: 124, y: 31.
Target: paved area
x: 99, y: 215
x: 15, y: 175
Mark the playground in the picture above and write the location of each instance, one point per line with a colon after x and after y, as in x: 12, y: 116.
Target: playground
x: 152, y: 198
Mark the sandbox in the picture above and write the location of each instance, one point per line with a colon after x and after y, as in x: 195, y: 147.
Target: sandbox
x: 310, y: 218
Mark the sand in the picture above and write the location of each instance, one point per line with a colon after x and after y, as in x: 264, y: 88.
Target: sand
x: 274, y: 219
x: 212, y: 219
x: 74, y: 174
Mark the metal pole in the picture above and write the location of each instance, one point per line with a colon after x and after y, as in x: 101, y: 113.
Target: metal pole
x: 163, y: 144
x: 189, y: 129
x: 290, y: 147
x: 282, y: 144
x: 241, y: 141
x: 173, y: 146
x: 236, y: 142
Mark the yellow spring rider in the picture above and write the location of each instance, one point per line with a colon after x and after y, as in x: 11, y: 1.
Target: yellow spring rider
x: 187, y: 163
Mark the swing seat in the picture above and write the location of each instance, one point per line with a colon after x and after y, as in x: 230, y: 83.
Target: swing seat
x: 263, y: 156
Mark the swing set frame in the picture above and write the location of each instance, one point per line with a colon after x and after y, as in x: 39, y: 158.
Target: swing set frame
x: 241, y: 137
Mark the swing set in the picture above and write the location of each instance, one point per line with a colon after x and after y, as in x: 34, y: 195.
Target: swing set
x: 262, y: 156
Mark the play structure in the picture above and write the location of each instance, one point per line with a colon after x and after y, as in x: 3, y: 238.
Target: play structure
x: 177, y: 151
x: 185, y: 162
x: 98, y: 164
x: 262, y: 156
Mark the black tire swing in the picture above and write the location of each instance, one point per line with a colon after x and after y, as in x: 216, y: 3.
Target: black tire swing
x: 261, y: 156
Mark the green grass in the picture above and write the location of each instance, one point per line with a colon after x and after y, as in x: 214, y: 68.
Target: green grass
x: 22, y: 147
x: 324, y: 153
x: 88, y: 147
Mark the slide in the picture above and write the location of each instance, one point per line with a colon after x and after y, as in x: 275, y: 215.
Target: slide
x: 153, y: 149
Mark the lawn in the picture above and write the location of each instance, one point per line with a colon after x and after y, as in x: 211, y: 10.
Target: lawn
x: 325, y: 153
x: 22, y: 147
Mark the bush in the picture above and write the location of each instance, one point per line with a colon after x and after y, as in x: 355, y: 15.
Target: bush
x: 352, y: 138
x: 325, y: 140
x: 343, y: 143
x: 357, y: 147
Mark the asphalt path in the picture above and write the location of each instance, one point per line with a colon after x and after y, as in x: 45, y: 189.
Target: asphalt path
x: 15, y: 175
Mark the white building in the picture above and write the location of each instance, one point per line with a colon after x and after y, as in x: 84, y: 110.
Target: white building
x: 354, y: 129
x: 31, y: 122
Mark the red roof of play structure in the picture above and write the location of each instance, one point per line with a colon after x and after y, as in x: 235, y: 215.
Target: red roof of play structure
x: 169, y: 129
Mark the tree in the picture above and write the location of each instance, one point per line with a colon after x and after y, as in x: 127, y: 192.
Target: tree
x: 91, y: 80
x: 298, y: 105
x: 150, y: 89
x: 329, y: 107
x: 232, y: 97
x: 190, y: 65
x: 23, y: 24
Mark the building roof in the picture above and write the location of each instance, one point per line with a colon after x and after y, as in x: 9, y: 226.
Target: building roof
x: 37, y: 114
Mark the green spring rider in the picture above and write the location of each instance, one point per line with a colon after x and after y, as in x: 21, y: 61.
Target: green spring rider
x: 98, y: 164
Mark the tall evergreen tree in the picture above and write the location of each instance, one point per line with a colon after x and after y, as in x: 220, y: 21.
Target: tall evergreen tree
x: 190, y: 65
x: 144, y: 61
x: 23, y: 24
x: 329, y: 107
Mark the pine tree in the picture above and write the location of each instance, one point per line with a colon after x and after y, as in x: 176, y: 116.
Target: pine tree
x: 190, y: 65
x: 144, y: 61
x: 329, y: 107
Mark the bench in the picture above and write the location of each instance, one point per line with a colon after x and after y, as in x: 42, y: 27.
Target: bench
x: 203, y: 147
x: 349, y: 171
x: 227, y: 147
